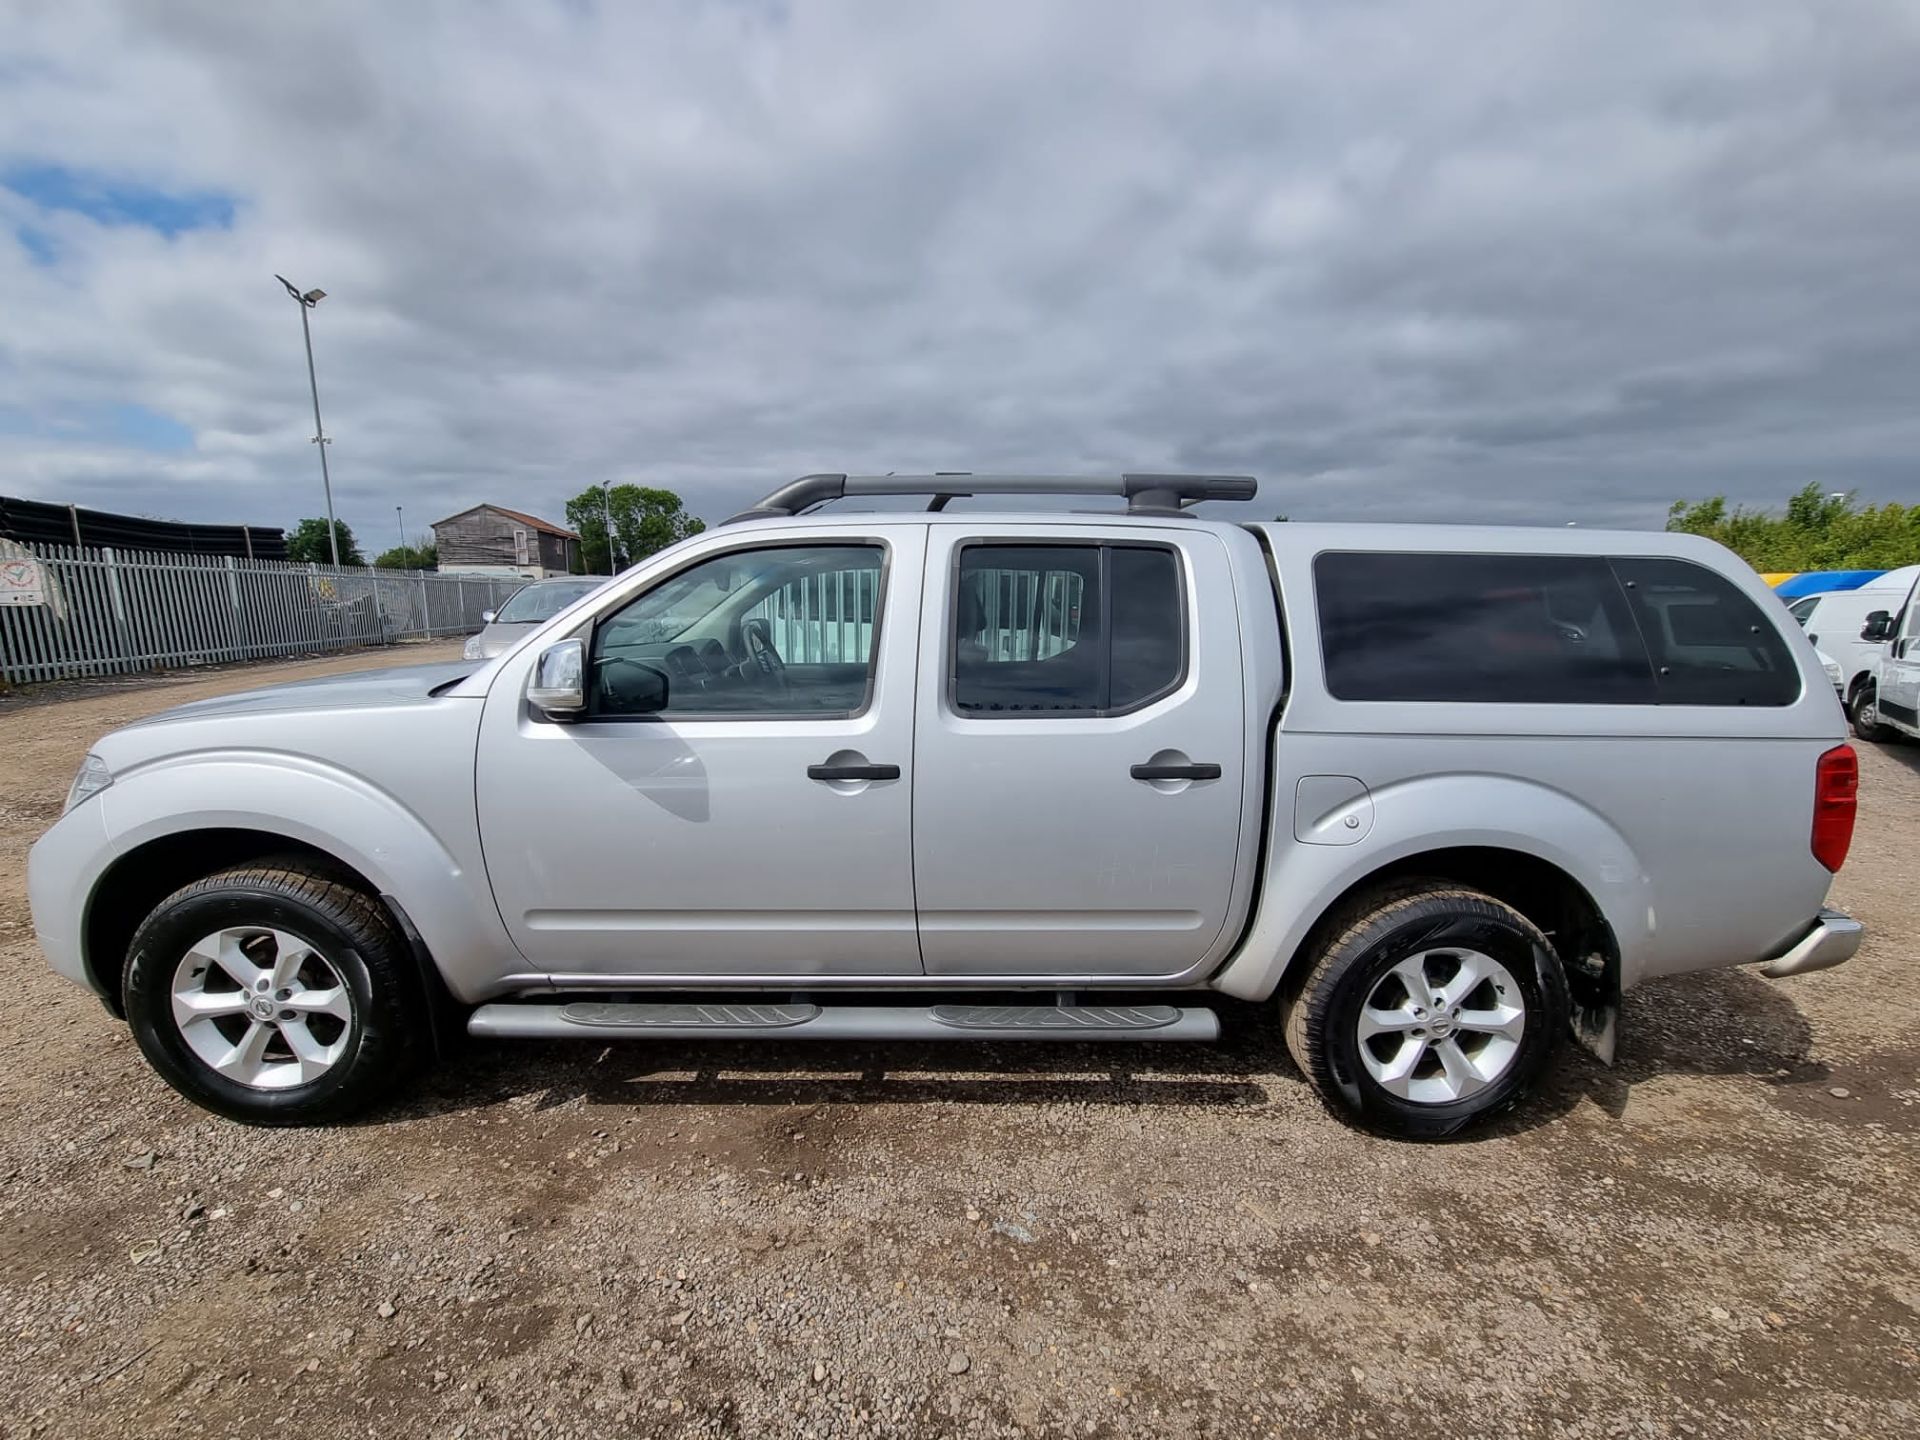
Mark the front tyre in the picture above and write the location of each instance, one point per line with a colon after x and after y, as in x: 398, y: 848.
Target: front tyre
x: 274, y: 995
x: 1864, y: 712
x: 1426, y: 1008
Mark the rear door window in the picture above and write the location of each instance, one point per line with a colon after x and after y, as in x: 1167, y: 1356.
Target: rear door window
x: 1065, y: 630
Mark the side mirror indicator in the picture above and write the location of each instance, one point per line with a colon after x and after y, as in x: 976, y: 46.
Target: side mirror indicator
x: 558, y: 687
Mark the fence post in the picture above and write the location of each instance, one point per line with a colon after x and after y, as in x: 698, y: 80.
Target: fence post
x: 120, y: 628
x: 379, y: 615
x: 233, y: 607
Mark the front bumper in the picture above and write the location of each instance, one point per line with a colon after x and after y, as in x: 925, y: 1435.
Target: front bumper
x: 1832, y: 941
x: 62, y: 867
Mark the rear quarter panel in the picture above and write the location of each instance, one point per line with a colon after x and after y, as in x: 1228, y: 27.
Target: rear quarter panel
x: 1688, y: 825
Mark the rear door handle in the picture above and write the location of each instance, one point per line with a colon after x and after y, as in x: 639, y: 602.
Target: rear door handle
x: 857, y: 772
x: 1175, y: 772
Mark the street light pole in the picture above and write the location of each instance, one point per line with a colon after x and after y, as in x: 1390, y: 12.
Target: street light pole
x: 400, y: 520
x: 306, y: 302
x: 606, y: 511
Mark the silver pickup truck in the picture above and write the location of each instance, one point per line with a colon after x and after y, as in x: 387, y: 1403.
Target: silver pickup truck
x: 1430, y: 798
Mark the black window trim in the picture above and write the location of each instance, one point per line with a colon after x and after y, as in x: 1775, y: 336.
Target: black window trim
x: 785, y: 542
x: 1104, y: 544
x: 1623, y: 586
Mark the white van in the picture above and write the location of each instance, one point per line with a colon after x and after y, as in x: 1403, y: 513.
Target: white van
x: 1891, y: 703
x: 1833, y: 622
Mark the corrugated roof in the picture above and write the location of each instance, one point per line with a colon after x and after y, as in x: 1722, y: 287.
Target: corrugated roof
x: 525, y: 519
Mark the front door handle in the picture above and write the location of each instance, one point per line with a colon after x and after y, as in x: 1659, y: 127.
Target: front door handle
x: 1201, y: 771
x: 858, y: 772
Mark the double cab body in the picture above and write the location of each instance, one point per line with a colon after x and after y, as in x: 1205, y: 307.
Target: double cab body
x: 858, y: 772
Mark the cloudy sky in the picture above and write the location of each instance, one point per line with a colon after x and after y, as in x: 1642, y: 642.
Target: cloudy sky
x: 1450, y: 261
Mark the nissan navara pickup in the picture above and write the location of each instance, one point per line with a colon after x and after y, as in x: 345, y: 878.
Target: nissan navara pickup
x: 1426, y: 798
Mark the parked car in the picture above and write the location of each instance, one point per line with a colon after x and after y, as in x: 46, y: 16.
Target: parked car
x: 1833, y: 621
x: 1427, y: 797
x: 525, y: 610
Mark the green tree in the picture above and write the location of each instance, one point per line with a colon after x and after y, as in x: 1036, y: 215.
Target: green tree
x: 408, y: 557
x: 1819, y: 530
x: 644, y: 520
x: 308, y: 543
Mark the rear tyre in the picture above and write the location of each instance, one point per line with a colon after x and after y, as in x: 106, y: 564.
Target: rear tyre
x: 1426, y: 1008
x: 273, y: 994
x: 1864, y: 712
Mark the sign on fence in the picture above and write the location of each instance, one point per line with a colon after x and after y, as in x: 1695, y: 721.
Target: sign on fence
x: 22, y: 582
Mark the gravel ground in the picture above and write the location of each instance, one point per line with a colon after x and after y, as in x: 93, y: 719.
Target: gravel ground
x: 1716, y: 1237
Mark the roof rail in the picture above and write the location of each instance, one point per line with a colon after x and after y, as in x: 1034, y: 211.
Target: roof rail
x: 1145, y: 494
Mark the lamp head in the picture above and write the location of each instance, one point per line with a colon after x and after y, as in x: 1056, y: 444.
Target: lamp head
x: 310, y: 299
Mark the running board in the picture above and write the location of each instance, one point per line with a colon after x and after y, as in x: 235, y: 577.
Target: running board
x: 598, y: 1020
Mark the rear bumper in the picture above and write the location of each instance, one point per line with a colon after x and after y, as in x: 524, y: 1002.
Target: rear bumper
x: 1832, y: 941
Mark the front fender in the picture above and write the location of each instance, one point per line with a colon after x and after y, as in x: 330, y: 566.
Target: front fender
x: 440, y: 882
x: 1437, y: 812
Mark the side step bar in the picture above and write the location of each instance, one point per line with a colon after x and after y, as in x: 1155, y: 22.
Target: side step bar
x: 601, y: 1021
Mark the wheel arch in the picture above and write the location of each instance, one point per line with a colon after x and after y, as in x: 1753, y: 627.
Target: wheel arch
x: 136, y: 881
x: 1538, y: 847
x: 174, y: 821
x: 1554, y: 900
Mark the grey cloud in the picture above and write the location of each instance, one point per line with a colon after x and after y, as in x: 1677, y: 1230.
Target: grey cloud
x: 1457, y: 262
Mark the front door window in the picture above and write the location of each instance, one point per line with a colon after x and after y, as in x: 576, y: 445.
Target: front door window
x: 772, y: 631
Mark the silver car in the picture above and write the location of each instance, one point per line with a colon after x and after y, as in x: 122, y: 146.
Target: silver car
x: 527, y: 609
x: 1425, y: 799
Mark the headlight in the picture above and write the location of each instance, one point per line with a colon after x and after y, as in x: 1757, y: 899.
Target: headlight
x: 92, y: 779
x: 473, y: 649
x: 1833, y: 671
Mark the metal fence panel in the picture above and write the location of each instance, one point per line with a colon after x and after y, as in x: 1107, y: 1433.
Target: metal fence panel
x: 111, y: 612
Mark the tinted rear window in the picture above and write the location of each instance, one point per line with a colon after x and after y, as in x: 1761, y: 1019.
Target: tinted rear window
x: 1538, y: 629
x: 1709, y: 643
x: 1544, y: 629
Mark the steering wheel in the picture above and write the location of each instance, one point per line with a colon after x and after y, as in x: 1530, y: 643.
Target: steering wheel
x: 757, y: 635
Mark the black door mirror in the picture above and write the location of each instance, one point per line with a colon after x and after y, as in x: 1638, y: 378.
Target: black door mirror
x: 1878, y: 627
x: 629, y: 687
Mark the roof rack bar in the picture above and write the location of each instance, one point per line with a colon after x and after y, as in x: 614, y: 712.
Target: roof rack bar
x: 1146, y: 494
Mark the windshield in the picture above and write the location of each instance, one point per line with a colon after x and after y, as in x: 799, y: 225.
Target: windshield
x: 542, y: 602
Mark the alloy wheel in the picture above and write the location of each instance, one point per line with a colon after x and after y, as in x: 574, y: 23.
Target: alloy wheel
x: 1441, y: 1025
x: 262, y: 1007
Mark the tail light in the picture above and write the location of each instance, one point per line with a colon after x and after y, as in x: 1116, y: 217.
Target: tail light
x: 1836, y: 795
